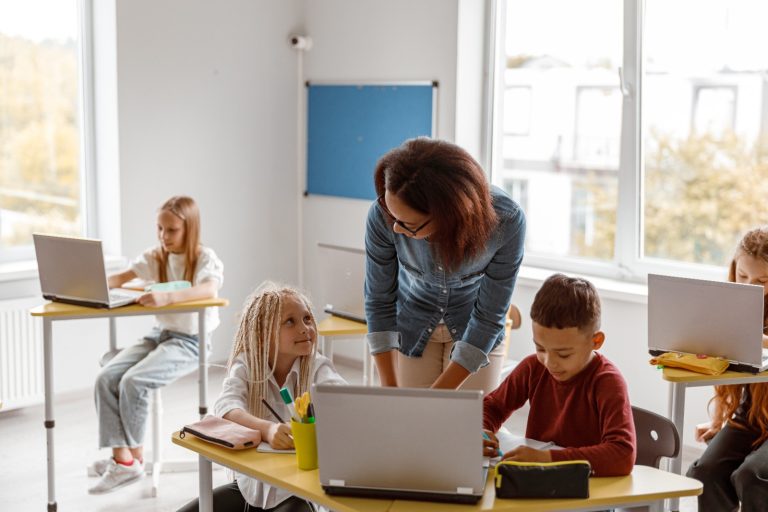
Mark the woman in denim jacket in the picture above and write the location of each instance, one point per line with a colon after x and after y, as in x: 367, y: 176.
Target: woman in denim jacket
x: 443, y: 249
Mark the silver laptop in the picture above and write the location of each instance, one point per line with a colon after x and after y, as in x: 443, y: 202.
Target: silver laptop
x: 707, y: 317
x: 72, y: 270
x: 342, y: 272
x: 400, y: 443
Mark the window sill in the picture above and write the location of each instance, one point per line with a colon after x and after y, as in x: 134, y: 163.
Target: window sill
x: 27, y: 270
x: 613, y: 289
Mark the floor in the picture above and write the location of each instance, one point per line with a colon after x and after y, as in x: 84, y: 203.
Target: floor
x: 22, y: 454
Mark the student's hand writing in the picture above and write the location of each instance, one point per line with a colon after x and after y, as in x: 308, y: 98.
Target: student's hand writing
x: 705, y: 431
x: 155, y: 299
x: 279, y: 436
x: 491, y: 445
x: 527, y: 454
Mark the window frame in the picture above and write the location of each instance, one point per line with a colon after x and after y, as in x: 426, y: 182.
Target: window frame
x: 627, y: 263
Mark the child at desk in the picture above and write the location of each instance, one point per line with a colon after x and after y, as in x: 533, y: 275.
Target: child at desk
x: 578, y: 398
x: 168, y: 352
x: 734, y: 467
x: 275, y: 347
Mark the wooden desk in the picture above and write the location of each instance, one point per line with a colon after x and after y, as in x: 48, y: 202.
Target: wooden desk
x: 644, y: 485
x: 56, y: 311
x: 332, y: 327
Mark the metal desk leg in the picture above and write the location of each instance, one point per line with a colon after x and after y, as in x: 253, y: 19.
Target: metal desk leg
x: 203, y: 368
x: 677, y: 414
x: 205, y: 481
x: 112, y: 335
x: 49, y: 423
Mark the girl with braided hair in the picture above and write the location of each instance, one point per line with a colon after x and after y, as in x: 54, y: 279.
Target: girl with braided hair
x: 275, y: 347
x: 734, y: 467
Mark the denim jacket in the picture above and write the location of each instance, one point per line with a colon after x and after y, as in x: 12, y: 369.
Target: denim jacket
x: 407, y: 292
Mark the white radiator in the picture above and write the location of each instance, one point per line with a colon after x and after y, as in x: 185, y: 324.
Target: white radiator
x: 21, y: 354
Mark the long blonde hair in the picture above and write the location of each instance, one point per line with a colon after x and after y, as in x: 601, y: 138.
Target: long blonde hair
x: 727, y: 398
x: 186, y: 209
x: 259, y: 329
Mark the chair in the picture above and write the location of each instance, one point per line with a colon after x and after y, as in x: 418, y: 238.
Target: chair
x: 657, y: 437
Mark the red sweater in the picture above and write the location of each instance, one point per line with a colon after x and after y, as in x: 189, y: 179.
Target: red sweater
x: 589, y: 415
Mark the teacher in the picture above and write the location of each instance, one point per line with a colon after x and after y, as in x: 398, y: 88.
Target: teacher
x: 443, y: 249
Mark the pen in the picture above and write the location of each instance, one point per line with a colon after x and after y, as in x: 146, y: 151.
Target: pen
x: 274, y: 412
x: 501, y: 454
x: 288, y: 400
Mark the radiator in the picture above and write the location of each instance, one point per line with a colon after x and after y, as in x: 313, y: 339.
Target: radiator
x: 21, y: 354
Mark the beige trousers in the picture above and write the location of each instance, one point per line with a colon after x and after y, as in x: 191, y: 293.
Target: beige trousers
x: 421, y: 372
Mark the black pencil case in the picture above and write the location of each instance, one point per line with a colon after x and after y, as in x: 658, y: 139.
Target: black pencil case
x: 566, y: 479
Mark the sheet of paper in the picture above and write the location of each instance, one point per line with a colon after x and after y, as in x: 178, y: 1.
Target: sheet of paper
x: 508, y: 441
x: 264, y: 447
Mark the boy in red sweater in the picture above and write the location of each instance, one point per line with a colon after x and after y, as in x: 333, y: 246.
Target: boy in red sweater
x: 578, y: 398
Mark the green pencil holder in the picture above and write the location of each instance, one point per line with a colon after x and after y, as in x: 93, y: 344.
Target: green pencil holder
x: 305, y: 440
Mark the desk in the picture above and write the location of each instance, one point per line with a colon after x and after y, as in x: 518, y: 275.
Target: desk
x: 56, y: 311
x: 334, y: 326
x: 644, y: 485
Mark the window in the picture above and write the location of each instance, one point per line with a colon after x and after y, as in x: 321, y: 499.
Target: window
x: 41, y: 177
x: 645, y: 148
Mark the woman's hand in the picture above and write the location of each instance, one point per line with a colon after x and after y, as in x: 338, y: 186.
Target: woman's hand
x: 155, y: 299
x: 706, y: 431
x: 279, y: 436
x: 490, y: 444
x: 527, y: 454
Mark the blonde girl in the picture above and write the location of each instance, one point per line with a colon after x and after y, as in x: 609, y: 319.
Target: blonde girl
x: 275, y: 347
x: 734, y: 467
x: 168, y: 352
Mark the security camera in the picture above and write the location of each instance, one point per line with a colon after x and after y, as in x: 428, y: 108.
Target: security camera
x: 300, y: 42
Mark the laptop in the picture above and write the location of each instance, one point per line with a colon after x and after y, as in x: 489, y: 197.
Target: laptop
x: 342, y: 274
x: 400, y: 443
x: 716, y: 318
x: 72, y: 270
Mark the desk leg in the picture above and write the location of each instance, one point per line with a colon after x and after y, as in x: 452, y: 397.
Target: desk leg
x: 202, y: 376
x: 112, y: 335
x: 205, y: 481
x: 677, y: 414
x: 49, y: 423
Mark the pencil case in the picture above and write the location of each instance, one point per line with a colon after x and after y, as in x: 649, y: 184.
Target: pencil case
x: 223, y: 433
x: 696, y: 363
x: 566, y: 479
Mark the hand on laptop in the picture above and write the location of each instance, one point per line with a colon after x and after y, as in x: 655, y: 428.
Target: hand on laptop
x: 527, y: 454
x: 155, y: 299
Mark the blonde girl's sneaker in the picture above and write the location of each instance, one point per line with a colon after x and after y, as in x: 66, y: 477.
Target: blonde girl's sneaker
x: 117, y: 476
x: 98, y: 467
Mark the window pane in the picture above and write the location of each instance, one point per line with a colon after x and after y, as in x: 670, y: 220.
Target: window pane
x: 705, y: 147
x: 40, y: 177
x: 562, y: 123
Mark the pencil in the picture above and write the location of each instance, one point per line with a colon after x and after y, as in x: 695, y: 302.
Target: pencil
x: 272, y: 411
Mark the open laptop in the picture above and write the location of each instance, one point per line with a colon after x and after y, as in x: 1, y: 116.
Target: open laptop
x: 715, y: 318
x: 342, y: 274
x: 72, y: 270
x: 400, y: 443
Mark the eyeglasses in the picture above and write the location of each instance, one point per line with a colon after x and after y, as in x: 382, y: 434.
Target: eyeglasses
x: 398, y: 222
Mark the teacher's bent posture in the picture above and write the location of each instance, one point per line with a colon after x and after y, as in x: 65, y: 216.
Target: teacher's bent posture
x: 443, y: 249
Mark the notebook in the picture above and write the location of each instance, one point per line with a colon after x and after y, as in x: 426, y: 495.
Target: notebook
x: 400, y: 443
x: 72, y: 270
x: 715, y: 318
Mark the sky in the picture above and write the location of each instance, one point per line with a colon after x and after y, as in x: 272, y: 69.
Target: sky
x: 39, y: 19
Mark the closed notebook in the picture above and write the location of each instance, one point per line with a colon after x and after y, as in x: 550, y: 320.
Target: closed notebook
x: 223, y: 433
x: 566, y: 479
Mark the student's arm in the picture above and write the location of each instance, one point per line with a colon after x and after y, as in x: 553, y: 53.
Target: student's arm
x: 117, y: 280
x: 205, y: 290
x: 278, y: 435
x: 512, y: 393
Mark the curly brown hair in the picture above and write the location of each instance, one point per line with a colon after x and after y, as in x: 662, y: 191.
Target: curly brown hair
x: 442, y: 180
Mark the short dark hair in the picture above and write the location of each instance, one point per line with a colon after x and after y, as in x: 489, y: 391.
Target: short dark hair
x: 442, y: 180
x: 564, y: 302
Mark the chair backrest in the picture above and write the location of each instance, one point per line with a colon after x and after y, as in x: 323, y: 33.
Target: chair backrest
x: 657, y: 437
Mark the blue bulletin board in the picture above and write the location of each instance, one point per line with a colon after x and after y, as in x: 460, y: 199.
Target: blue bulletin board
x: 349, y: 127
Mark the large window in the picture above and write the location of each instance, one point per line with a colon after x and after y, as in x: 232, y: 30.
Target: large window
x: 638, y: 127
x: 41, y: 178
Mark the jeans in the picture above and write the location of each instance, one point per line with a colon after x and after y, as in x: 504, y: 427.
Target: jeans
x: 732, y: 471
x: 123, y: 385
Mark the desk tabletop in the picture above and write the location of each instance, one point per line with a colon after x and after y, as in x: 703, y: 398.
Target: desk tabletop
x: 335, y: 326
x: 280, y: 469
x: 60, y: 309
x: 643, y: 485
x: 679, y: 375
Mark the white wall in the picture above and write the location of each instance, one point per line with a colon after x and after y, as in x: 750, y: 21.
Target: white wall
x: 207, y: 108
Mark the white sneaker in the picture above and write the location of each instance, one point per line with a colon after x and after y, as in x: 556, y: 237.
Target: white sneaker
x: 117, y: 476
x: 98, y: 467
